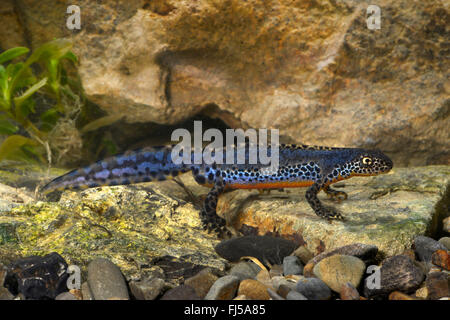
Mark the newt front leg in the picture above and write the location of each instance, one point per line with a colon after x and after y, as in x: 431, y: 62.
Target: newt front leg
x: 317, y: 206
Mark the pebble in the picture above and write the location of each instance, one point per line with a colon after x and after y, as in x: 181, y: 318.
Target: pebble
x: 445, y: 241
x: 313, y: 289
x: 223, y: 289
x: 274, y: 295
x: 253, y: 290
x: 264, y: 277
x: 441, y: 258
x: 5, y: 294
x: 266, y: 249
x: 292, y: 265
x: 182, y: 292
x: 425, y: 246
x: 106, y: 280
x: 294, y: 295
x: 147, y: 289
x: 303, y: 254
x: 337, y: 270
x: 202, y: 282
x: 397, y: 295
x: 365, y: 252
x: 308, y: 269
x: 446, y: 224
x: 276, y: 270
x: 422, y: 293
x: 283, y: 290
x: 437, y: 285
x: 245, y: 270
x: 65, y: 296
x: 397, y: 273
x: 279, y: 280
x: 349, y: 292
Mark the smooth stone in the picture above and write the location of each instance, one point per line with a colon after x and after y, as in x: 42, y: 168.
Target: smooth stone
x: 276, y: 270
x: 308, y: 269
x: 445, y: 241
x: 253, y: 289
x: 65, y: 296
x: 279, y: 280
x: 106, y: 280
x: 264, y: 277
x: 283, y: 290
x: 441, y: 258
x: 313, y: 289
x: 349, y: 292
x: 397, y: 273
x: 5, y: 294
x: 273, y: 295
x: 303, y: 254
x: 425, y: 246
x: 337, y: 270
x: 245, y: 270
x: 422, y: 293
x: 294, y: 295
x: 437, y: 284
x: 202, y: 282
x: 266, y: 249
x: 292, y: 265
x: 397, y: 295
x: 224, y: 288
x: 182, y: 292
x: 147, y: 289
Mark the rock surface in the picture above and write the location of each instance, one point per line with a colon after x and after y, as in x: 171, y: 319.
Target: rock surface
x: 307, y: 68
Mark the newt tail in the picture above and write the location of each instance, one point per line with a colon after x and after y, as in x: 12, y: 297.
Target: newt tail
x: 299, y: 166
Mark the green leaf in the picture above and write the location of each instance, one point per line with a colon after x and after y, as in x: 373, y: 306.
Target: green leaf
x: 11, y: 148
x: 12, y: 53
x: 101, y: 122
x: 49, y: 118
x: 54, y: 49
x: 19, y: 100
x: 6, y: 127
x: 25, y: 108
x: 70, y: 56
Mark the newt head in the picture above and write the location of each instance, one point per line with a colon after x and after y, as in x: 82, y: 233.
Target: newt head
x: 370, y: 163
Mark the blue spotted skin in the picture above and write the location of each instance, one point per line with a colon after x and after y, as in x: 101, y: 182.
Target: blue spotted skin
x: 299, y: 166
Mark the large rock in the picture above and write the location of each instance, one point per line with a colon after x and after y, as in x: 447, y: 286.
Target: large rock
x: 312, y: 69
x: 135, y: 227
x: 387, y: 211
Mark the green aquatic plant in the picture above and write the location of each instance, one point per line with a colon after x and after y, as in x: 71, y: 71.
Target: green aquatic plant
x: 26, y: 132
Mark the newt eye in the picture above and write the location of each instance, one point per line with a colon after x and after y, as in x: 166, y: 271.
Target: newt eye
x: 367, y: 161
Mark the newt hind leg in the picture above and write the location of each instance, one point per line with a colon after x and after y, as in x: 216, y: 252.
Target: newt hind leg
x: 335, y: 194
x: 211, y: 221
x: 318, y: 207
